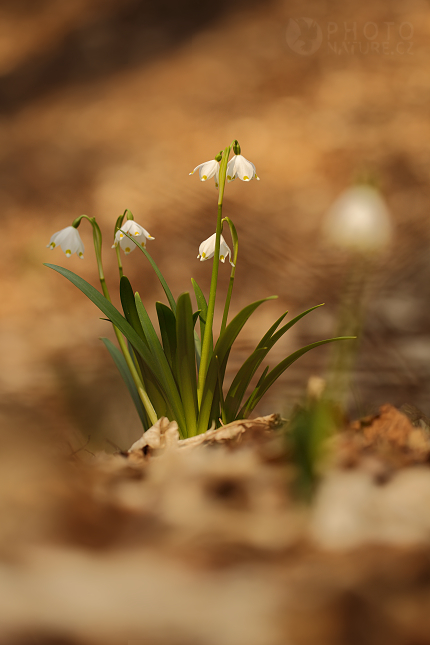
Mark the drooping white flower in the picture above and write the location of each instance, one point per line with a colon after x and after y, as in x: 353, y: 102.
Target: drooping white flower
x: 207, y: 170
x: 69, y: 240
x: 359, y: 220
x: 240, y: 167
x: 207, y: 249
x: 132, y: 228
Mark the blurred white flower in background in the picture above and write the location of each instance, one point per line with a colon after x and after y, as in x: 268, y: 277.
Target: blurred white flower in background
x: 359, y: 220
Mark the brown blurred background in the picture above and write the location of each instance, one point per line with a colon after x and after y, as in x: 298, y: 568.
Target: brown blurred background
x: 106, y: 105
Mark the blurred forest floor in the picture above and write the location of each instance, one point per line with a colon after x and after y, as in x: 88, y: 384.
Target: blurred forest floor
x: 109, y: 105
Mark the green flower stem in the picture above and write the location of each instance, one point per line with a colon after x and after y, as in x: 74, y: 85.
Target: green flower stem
x: 118, y: 225
x: 118, y: 259
x: 152, y: 415
x: 206, y: 344
x: 350, y: 322
x: 97, y: 238
x: 228, y: 299
x: 233, y: 271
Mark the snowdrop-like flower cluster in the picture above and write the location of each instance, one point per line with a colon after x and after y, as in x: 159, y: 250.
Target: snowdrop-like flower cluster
x: 69, y: 240
x: 238, y: 166
x: 359, y: 220
x: 132, y: 228
x: 207, y: 249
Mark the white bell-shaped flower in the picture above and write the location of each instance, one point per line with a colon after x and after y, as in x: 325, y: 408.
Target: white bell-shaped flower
x: 69, y: 240
x: 240, y: 167
x: 207, y: 170
x: 136, y: 230
x: 207, y: 249
x: 359, y: 220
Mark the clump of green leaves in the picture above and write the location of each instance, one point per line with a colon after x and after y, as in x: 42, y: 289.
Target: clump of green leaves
x: 307, y: 432
x: 177, y: 372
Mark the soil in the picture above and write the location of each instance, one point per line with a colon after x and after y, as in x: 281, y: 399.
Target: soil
x: 208, y: 540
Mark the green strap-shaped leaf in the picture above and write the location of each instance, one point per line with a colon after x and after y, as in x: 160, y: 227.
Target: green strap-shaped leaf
x: 268, y: 335
x: 240, y: 384
x: 263, y: 376
x: 128, y: 380
x: 157, y: 396
x: 112, y: 313
x: 129, y: 306
x: 198, y: 348
x: 197, y: 341
x: 124, y: 327
x: 271, y: 377
x: 217, y: 365
x: 244, y: 376
x: 220, y: 381
x: 163, y: 282
x: 196, y: 315
x: 203, y: 306
x: 246, y: 372
x: 164, y: 372
x: 186, y: 361
x: 167, y: 323
x: 151, y: 384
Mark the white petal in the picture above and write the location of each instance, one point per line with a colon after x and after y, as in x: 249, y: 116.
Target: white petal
x: 244, y: 169
x: 255, y: 172
x: 69, y: 240
x: 207, y: 249
x: 231, y: 169
x: 126, y: 225
x: 127, y: 245
x: 196, y: 168
x: 59, y: 236
x: 224, y: 250
x: 139, y: 233
x: 135, y: 229
x: 207, y: 170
